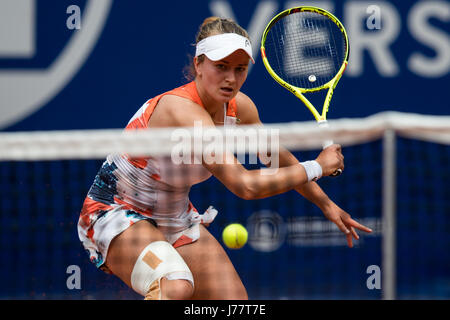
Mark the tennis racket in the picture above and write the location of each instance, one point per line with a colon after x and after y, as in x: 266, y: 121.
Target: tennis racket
x: 306, y: 49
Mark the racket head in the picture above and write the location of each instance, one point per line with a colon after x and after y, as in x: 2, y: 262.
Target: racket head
x: 305, y: 49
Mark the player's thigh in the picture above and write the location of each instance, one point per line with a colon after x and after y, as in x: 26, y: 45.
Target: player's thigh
x: 126, y: 247
x: 214, y: 275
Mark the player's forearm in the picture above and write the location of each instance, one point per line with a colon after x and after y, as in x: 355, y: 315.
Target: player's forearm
x: 314, y: 193
x: 260, y: 183
x: 265, y: 183
x: 311, y: 190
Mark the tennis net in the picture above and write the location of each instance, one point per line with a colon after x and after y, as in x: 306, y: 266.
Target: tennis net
x: 395, y: 182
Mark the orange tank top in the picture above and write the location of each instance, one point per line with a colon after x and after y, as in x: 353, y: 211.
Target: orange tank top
x: 189, y: 91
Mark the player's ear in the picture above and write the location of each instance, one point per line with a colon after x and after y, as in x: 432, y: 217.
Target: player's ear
x: 197, y: 63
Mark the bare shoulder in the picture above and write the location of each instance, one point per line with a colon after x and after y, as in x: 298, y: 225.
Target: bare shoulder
x: 175, y: 111
x: 247, y: 111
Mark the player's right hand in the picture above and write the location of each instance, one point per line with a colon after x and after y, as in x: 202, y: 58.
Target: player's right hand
x: 331, y: 159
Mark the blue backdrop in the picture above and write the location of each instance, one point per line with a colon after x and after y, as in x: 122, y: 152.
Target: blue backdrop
x: 143, y: 46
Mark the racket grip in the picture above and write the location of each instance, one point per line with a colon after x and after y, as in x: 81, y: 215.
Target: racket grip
x: 326, y: 144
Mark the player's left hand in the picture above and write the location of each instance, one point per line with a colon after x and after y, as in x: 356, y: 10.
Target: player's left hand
x: 344, y: 222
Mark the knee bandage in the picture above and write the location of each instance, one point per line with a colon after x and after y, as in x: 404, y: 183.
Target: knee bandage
x: 159, y: 259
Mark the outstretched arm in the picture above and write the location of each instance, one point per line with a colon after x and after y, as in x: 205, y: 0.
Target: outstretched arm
x: 310, y: 190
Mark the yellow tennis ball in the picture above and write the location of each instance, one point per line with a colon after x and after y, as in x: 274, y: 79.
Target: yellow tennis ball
x: 235, y: 236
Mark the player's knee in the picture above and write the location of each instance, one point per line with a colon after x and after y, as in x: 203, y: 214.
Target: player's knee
x: 176, y: 289
x: 161, y: 273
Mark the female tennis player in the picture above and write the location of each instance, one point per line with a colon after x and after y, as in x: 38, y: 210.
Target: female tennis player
x: 137, y: 221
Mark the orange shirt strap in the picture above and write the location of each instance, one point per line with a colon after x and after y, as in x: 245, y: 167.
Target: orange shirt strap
x: 188, y: 91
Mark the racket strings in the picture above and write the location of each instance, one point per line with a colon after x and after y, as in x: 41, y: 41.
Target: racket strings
x: 305, y: 49
x: 307, y: 34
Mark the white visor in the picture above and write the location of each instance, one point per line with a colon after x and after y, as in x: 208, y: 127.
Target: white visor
x: 222, y: 45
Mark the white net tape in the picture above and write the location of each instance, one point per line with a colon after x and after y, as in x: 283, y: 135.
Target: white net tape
x: 97, y: 144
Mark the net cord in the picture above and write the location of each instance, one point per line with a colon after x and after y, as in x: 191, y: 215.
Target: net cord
x: 97, y: 144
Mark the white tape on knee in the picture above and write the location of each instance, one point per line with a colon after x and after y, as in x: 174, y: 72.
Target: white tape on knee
x: 159, y: 259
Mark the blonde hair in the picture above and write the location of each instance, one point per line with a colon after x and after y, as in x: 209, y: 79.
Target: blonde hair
x: 212, y: 26
x: 215, y: 25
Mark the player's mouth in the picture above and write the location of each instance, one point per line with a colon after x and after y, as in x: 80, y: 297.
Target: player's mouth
x: 226, y: 90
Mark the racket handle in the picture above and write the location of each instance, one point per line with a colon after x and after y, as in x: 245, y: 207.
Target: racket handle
x: 326, y: 144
